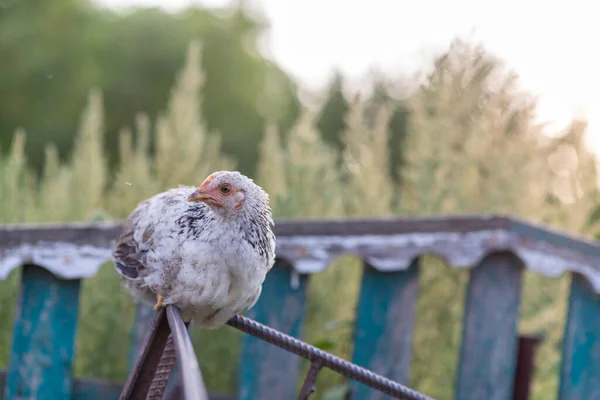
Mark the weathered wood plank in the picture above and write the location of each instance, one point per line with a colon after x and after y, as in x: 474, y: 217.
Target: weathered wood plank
x: 489, y: 340
x: 102, y: 234
x: 41, y: 359
x: 141, y: 324
x: 384, y: 326
x: 580, y: 368
x: 266, y: 371
x: 77, y: 250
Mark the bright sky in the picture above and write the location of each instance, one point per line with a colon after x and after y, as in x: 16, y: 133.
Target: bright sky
x: 549, y: 44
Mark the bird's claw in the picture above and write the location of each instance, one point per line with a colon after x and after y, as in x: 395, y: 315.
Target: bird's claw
x: 159, y: 302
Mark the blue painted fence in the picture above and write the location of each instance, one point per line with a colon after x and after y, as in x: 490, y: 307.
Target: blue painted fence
x: 496, y: 249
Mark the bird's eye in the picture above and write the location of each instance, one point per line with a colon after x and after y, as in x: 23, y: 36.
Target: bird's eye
x: 225, y: 189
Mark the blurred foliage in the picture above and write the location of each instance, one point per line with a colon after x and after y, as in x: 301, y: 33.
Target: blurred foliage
x: 474, y: 146
x: 468, y: 142
x: 330, y: 120
x: 53, y: 53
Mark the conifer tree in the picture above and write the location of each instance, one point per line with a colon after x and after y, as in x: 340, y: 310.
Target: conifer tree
x: 331, y: 119
x: 398, y: 122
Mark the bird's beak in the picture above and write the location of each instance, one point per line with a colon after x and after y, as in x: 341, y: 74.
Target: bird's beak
x: 198, y: 195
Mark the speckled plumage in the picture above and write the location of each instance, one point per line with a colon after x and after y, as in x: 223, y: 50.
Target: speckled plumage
x: 209, y: 261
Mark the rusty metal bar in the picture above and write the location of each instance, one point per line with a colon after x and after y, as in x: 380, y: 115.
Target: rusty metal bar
x: 167, y: 339
x: 308, y: 387
x: 141, y: 375
x: 193, y: 385
x: 168, y: 323
x: 161, y: 377
x: 525, y: 366
x: 328, y: 360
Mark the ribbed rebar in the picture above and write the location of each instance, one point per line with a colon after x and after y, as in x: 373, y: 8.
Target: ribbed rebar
x: 161, y: 376
x: 330, y: 361
x: 142, y: 374
x: 193, y: 384
x: 144, y: 384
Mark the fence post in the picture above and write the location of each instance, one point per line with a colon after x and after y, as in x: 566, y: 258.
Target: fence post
x: 266, y: 371
x: 384, y: 325
x: 41, y: 359
x: 489, y: 341
x: 580, y: 367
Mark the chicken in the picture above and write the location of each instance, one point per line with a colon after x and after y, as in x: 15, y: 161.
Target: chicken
x: 206, y: 250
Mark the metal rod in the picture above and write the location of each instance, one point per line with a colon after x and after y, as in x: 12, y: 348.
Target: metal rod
x: 330, y: 361
x: 308, y: 387
x: 174, y: 390
x: 161, y: 377
x: 141, y: 375
x: 193, y: 385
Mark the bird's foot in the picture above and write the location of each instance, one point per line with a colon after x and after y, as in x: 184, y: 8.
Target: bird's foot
x: 159, y: 302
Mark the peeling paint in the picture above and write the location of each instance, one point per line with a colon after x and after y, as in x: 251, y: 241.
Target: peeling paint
x: 295, y: 280
x: 78, y: 250
x: 43, y: 337
x: 65, y: 260
x: 459, y: 250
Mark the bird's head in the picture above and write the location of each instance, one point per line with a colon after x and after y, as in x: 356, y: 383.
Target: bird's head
x: 230, y: 192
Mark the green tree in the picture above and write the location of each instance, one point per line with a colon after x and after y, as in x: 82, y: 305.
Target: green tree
x: 54, y: 53
x: 331, y: 119
x: 44, y: 72
x: 397, y: 124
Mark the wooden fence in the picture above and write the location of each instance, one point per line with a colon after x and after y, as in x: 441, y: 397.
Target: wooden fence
x: 495, y: 248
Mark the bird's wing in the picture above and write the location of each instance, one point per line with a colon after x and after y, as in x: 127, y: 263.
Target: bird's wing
x: 126, y: 254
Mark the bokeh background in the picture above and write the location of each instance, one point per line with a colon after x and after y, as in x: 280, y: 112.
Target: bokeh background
x: 354, y: 108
